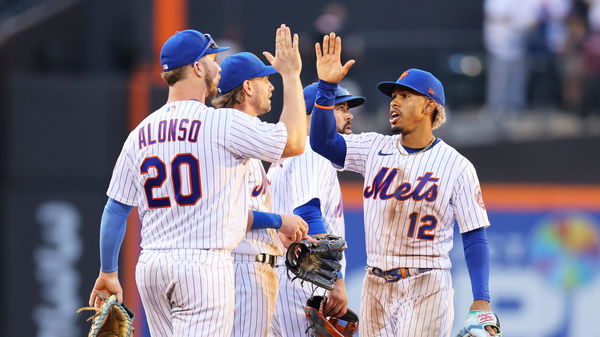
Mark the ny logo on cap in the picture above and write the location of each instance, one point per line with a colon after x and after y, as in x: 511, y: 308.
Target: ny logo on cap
x: 404, y: 74
x: 431, y: 91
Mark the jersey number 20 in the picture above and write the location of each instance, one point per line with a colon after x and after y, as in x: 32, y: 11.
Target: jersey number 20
x: 185, y: 160
x: 428, y: 224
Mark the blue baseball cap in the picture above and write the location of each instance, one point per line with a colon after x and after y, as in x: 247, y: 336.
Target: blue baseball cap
x: 241, y: 67
x: 341, y: 95
x: 187, y: 47
x: 418, y: 80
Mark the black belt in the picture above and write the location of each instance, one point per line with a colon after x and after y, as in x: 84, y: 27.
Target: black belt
x: 395, y: 275
x: 268, y: 259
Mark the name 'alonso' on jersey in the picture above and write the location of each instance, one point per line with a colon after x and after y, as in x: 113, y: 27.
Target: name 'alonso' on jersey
x: 412, y: 201
x: 185, y: 167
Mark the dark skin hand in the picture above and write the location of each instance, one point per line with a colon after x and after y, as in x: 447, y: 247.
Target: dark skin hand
x: 336, y: 302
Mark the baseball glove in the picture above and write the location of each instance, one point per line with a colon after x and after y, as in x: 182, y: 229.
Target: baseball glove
x: 476, y: 322
x: 317, y: 262
x: 320, y: 326
x: 112, y: 319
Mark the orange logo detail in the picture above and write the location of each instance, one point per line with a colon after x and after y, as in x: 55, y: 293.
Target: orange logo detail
x: 479, y: 196
x: 404, y: 74
x: 431, y: 91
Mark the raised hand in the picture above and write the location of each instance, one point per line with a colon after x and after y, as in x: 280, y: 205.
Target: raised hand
x: 287, y: 59
x: 329, y: 64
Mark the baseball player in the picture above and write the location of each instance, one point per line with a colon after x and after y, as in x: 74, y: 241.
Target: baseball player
x: 415, y: 187
x: 308, y: 185
x: 245, y: 86
x: 185, y: 168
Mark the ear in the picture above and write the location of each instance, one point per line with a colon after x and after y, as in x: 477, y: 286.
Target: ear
x: 429, y: 107
x: 247, y: 87
x: 198, y: 69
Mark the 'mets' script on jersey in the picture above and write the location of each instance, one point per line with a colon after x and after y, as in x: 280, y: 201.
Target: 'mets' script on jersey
x: 412, y: 201
x: 185, y: 167
x: 258, y: 241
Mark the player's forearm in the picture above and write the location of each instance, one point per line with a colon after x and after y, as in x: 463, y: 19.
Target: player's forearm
x: 112, y: 232
x: 480, y: 305
x: 262, y: 220
x: 477, y: 257
x: 293, y: 116
x: 324, y: 139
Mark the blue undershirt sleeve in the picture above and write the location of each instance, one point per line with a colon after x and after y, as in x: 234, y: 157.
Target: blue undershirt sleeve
x: 324, y: 138
x: 112, y: 232
x: 477, y: 256
x: 311, y: 213
x: 262, y: 220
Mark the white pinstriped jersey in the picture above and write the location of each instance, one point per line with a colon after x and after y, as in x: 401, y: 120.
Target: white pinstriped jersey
x: 297, y: 180
x: 259, y: 241
x: 185, y: 167
x: 412, y: 201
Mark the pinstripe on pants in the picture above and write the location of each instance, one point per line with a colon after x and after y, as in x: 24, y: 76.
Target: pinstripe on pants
x: 187, y: 292
x: 417, y: 306
x: 255, y: 297
x: 289, y: 319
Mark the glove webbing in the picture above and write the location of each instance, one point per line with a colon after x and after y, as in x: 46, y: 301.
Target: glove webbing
x: 314, y: 289
x: 97, y: 310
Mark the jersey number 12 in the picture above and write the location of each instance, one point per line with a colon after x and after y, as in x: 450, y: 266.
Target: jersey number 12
x: 427, y: 224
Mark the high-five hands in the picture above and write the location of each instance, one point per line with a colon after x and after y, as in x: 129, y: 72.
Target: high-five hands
x: 329, y: 64
x: 287, y: 59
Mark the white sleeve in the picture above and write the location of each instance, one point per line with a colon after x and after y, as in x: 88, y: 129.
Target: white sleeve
x: 123, y: 187
x: 357, y: 151
x: 467, y: 201
x: 248, y: 137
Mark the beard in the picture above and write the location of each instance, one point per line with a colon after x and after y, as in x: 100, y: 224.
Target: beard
x: 265, y: 106
x: 211, y: 87
x: 210, y: 81
x: 397, y: 130
x: 346, y: 129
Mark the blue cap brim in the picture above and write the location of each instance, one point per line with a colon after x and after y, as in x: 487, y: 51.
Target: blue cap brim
x: 268, y: 70
x: 389, y: 86
x: 231, y: 84
x: 215, y: 50
x: 353, y: 101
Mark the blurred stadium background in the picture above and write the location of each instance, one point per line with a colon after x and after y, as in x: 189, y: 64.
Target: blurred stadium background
x: 522, y: 81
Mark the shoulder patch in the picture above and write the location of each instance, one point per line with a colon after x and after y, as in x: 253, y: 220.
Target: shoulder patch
x: 479, y: 196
